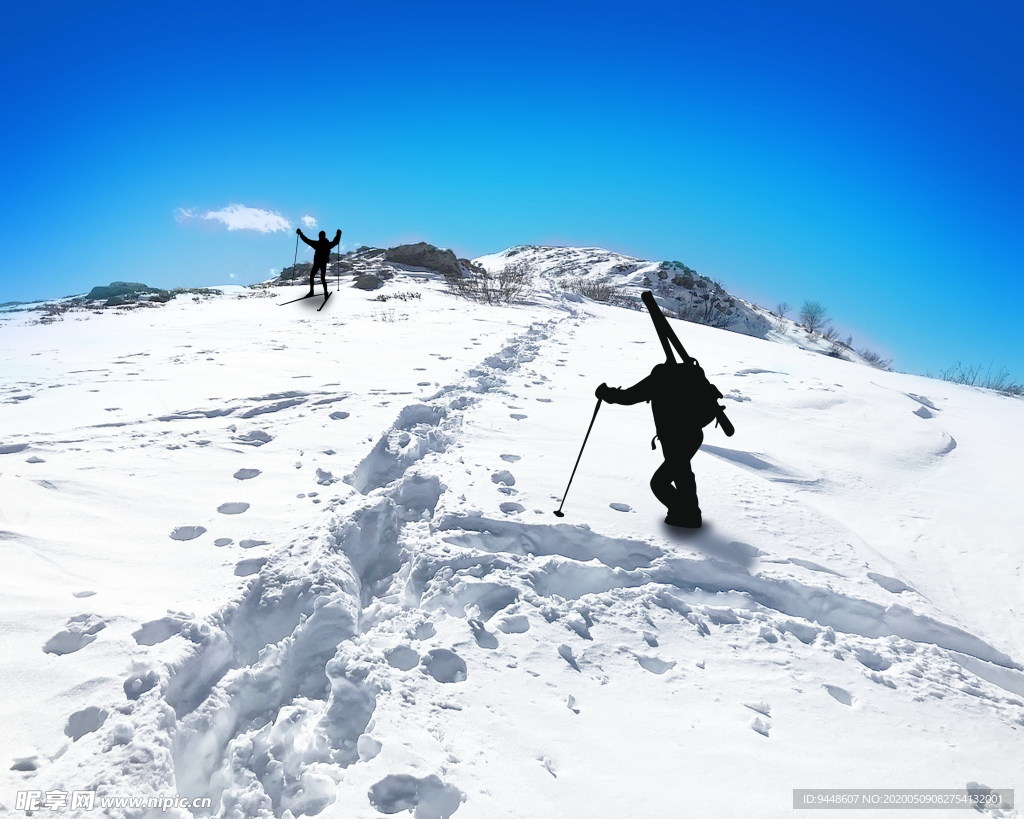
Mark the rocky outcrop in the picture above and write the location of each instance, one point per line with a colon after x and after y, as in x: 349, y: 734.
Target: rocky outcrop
x: 367, y: 281
x: 425, y: 255
x: 119, y: 290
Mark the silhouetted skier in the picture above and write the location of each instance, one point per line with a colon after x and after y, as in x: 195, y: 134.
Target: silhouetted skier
x: 683, y: 402
x: 679, y: 419
x: 321, y: 256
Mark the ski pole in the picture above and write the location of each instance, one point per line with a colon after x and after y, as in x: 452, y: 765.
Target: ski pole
x: 558, y: 512
x: 295, y: 259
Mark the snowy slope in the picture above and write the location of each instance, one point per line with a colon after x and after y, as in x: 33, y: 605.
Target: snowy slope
x: 677, y: 289
x: 305, y: 563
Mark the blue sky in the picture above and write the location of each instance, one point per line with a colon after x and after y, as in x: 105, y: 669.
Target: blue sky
x: 862, y: 154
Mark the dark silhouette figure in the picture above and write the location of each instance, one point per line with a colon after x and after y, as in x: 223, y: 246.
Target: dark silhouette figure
x: 680, y: 433
x: 321, y: 256
x: 683, y: 402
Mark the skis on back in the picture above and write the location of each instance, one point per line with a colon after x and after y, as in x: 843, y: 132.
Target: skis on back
x: 669, y: 339
x: 326, y: 297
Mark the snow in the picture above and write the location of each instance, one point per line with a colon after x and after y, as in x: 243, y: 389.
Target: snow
x: 305, y: 564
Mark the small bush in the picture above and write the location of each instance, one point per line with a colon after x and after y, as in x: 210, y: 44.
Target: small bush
x: 603, y: 290
x: 388, y: 315
x: 403, y: 296
x: 513, y: 283
x: 875, y: 360
x: 836, y: 351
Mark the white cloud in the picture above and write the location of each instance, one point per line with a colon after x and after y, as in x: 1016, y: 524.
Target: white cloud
x: 309, y: 221
x: 242, y: 217
x: 183, y: 214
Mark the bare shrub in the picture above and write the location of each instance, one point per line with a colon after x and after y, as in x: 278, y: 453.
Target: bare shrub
x: 405, y: 295
x: 977, y: 376
x: 603, y: 289
x: 875, y: 359
x: 513, y: 282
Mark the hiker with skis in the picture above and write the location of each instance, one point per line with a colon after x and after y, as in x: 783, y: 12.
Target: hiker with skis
x: 680, y: 434
x: 321, y: 256
x: 683, y: 402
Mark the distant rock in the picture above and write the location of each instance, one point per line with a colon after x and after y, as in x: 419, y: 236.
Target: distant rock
x: 120, y: 290
x: 367, y: 281
x: 425, y: 255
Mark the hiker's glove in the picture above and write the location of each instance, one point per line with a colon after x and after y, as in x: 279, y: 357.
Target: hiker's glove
x: 604, y: 392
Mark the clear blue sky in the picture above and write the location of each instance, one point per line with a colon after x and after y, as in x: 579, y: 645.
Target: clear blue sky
x: 864, y: 154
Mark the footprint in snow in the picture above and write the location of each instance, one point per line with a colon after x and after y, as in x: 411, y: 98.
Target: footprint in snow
x: 402, y: 657
x: 223, y: 541
x: 512, y: 508
x: 85, y: 722
x: 621, y: 507
x: 187, y: 532
x: 517, y: 415
x: 137, y: 685
x: 157, y: 631
x: 78, y: 632
x: 249, y: 566
x: 339, y: 416
x: 255, y: 438
x: 503, y: 477
x: 511, y: 458
x: 246, y: 474
x: 443, y: 665
x: 233, y: 508
x: 426, y: 797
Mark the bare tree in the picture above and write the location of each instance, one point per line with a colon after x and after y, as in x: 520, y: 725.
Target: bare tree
x: 782, y: 308
x: 813, y: 316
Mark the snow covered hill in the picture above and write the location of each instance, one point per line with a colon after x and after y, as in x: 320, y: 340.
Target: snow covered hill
x: 304, y: 563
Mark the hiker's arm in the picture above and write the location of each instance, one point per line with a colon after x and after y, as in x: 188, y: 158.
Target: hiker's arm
x: 631, y: 395
x: 307, y: 241
x: 337, y: 238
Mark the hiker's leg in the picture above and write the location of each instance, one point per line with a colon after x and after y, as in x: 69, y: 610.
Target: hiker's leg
x: 661, y: 485
x: 677, y: 460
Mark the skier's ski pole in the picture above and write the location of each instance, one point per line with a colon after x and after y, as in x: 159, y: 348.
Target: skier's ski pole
x: 558, y: 512
x: 295, y: 259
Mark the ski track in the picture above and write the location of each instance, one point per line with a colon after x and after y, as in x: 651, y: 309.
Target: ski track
x: 274, y: 696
